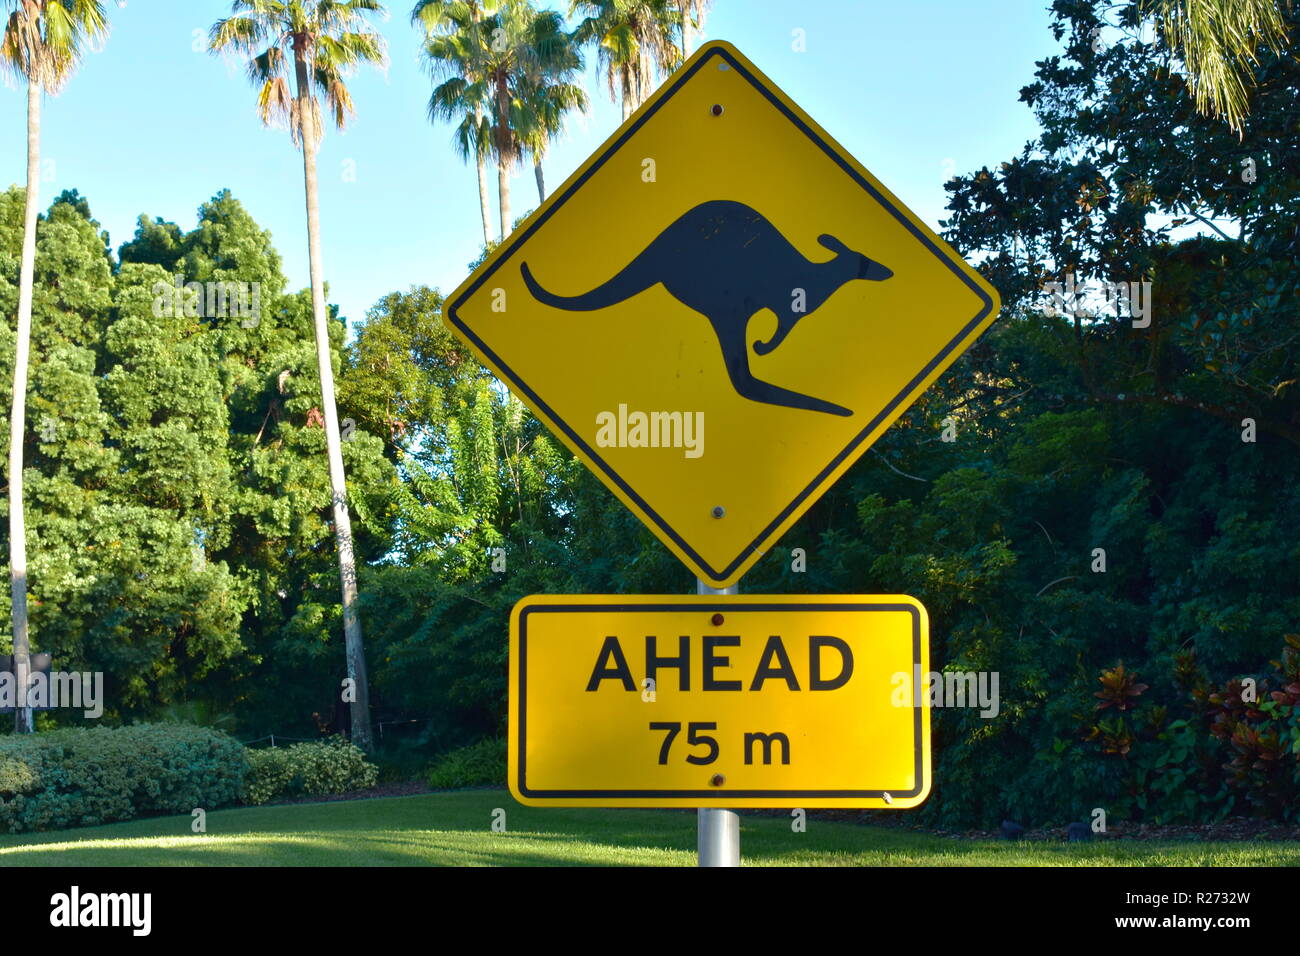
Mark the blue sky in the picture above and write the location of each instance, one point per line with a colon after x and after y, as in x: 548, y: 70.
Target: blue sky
x: 154, y: 124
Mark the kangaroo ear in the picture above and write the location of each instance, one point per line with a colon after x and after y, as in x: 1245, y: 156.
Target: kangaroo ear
x: 833, y: 244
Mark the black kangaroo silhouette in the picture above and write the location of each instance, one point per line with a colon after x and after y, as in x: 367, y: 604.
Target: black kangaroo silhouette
x: 724, y: 260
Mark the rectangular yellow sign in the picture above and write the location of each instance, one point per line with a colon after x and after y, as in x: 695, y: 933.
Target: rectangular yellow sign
x: 718, y: 701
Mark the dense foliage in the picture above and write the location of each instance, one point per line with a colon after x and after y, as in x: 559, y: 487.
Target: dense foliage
x: 310, y: 769
x: 1074, y: 433
x: 479, y: 765
x: 1114, y: 530
x: 80, y: 776
x: 178, y: 499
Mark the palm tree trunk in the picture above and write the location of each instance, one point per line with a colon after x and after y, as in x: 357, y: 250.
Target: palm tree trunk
x: 480, y: 156
x: 686, y: 30
x: 355, y: 649
x: 18, y: 413
x: 541, y: 181
x: 503, y: 194
x: 503, y: 155
x: 485, y: 207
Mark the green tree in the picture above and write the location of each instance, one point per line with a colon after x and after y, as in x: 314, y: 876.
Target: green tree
x: 174, y: 610
x: 156, y: 241
x: 276, y: 534
x: 128, y: 478
x: 178, y: 488
x: 483, y: 483
x: 43, y: 43
x: 1085, y: 430
x: 315, y: 43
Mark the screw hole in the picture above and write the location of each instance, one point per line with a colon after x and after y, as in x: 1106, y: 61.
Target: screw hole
x: 717, y: 109
x: 717, y: 620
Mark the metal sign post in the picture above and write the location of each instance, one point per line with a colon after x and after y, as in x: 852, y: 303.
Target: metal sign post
x: 717, y: 831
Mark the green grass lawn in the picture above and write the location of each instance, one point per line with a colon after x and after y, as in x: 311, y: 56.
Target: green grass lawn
x: 454, y: 829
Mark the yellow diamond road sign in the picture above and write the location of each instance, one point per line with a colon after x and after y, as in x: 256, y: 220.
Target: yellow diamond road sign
x: 720, y: 311
x: 719, y: 701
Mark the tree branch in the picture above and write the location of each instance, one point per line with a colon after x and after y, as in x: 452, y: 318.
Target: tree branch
x: 1231, y: 415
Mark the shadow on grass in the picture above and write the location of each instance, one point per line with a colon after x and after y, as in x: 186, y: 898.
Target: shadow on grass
x: 455, y: 829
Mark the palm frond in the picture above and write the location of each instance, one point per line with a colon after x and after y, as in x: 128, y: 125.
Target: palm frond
x: 44, y: 42
x: 330, y: 38
x: 1218, y: 42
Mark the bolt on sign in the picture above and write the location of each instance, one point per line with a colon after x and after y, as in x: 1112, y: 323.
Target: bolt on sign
x: 720, y: 311
x: 718, y: 701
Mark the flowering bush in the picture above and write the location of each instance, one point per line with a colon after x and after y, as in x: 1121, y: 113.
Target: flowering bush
x: 306, y: 770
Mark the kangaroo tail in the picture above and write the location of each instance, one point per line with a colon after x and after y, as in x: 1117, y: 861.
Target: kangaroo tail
x: 621, y: 287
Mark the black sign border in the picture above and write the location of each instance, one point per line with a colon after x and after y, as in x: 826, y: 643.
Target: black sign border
x: 516, y: 241
x: 520, y: 700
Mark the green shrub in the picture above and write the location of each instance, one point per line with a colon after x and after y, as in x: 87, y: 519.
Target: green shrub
x: 473, y: 766
x: 86, y: 776
x: 1225, y: 751
x: 307, y: 770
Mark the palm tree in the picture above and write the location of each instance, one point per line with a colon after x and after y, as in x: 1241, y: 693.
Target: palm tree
x: 692, y: 14
x: 318, y: 43
x: 1217, y: 41
x: 508, y: 53
x: 453, y: 52
x: 550, y: 91
x: 635, y: 38
x: 519, y: 45
x: 43, y: 43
